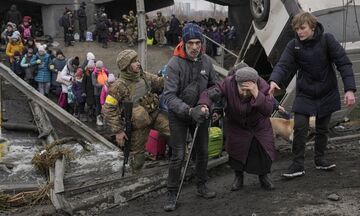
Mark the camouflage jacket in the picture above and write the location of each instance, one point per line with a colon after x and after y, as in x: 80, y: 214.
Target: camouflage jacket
x: 131, y: 22
x: 160, y: 23
x: 144, y: 104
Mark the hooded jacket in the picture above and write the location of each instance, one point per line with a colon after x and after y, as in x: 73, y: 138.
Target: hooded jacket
x: 181, y: 72
x: 317, y: 90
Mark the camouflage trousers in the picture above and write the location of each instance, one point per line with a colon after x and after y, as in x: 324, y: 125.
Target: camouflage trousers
x: 130, y: 36
x: 159, y: 122
x: 160, y: 36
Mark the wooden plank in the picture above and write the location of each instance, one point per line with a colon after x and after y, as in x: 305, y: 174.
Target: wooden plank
x: 53, y: 108
x: 56, y: 173
x: 18, y: 188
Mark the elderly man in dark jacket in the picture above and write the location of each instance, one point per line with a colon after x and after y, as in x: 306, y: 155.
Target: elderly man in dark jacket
x: 249, y: 135
x: 317, y: 93
x: 189, y: 73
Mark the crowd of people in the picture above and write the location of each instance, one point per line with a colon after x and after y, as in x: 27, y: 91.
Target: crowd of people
x: 189, y: 90
x: 161, y: 30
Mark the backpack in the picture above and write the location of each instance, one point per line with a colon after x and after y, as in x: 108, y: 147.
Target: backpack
x: 27, y: 32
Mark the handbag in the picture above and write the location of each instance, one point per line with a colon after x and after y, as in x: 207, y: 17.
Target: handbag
x: 60, y: 80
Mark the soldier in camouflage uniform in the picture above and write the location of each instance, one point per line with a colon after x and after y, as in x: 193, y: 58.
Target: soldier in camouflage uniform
x: 138, y: 87
x: 160, y: 28
x: 131, y: 28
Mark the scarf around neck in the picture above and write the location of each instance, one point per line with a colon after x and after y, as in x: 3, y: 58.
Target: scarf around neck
x: 128, y: 75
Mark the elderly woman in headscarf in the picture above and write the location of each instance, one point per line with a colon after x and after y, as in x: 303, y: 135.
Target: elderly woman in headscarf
x: 249, y: 135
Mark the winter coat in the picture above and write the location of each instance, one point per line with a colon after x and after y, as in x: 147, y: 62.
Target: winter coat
x: 88, y: 88
x: 317, y: 90
x: 14, y: 16
x: 81, y: 14
x: 11, y: 48
x: 43, y: 74
x: 67, y: 74
x: 22, y: 28
x: 28, y: 67
x: 131, y: 90
x: 97, y: 86
x: 67, y: 22
x: 102, y: 27
x: 59, y: 64
x: 78, y: 91
x: 103, y: 94
x: 245, y: 118
x: 175, y: 26
x: 16, y: 67
x: 181, y: 72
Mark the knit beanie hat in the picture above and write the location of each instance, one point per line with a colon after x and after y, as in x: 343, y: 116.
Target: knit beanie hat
x: 237, y: 67
x: 124, y: 58
x: 75, y: 61
x: 90, y: 56
x: 111, y: 78
x: 15, y: 36
x: 41, y: 49
x: 90, y: 64
x: 192, y: 31
x: 99, y: 64
x: 246, y: 74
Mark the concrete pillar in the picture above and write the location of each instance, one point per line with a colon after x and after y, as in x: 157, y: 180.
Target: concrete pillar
x: 50, y: 16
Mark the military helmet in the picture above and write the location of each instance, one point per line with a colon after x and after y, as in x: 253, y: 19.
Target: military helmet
x: 125, y: 57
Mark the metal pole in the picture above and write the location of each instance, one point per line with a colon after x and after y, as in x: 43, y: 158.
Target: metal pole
x: 1, y: 110
x: 142, y: 46
x: 222, y: 56
x: 187, y: 162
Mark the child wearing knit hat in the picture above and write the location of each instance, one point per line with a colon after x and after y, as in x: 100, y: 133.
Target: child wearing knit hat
x: 77, y: 89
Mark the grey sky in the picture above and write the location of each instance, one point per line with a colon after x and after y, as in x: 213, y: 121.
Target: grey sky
x: 197, y: 4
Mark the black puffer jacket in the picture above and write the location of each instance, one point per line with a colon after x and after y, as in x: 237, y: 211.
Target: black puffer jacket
x: 317, y: 91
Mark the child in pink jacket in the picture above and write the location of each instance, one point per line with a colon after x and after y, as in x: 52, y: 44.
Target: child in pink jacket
x: 105, y: 88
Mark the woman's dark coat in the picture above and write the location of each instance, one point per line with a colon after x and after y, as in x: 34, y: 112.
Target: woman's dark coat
x: 245, y: 118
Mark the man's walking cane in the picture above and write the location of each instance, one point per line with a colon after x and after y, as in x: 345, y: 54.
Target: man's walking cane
x: 187, y: 162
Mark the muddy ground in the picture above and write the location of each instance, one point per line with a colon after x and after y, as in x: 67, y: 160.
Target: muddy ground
x: 307, y: 195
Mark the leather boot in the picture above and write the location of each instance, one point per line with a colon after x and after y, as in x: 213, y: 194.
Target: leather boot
x: 204, y: 192
x: 238, y: 181
x: 266, y: 182
x: 170, y: 203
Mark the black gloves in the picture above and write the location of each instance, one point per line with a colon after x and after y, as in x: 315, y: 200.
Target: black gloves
x: 214, y: 95
x: 198, y: 115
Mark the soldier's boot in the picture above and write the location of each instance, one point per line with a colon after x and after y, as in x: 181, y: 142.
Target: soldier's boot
x: 205, y: 192
x: 238, y: 181
x: 137, y: 162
